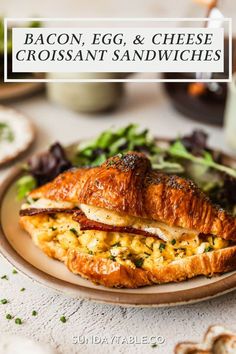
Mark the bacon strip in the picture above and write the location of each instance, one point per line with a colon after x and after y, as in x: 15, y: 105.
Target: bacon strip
x: 40, y: 211
x: 87, y: 224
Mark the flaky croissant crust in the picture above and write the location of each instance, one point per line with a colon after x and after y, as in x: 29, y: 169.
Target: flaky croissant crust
x: 127, y: 184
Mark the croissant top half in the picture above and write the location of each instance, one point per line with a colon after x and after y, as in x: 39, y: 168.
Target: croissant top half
x: 127, y: 184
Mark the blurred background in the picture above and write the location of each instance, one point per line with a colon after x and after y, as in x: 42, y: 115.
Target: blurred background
x: 110, y: 8
x: 166, y: 109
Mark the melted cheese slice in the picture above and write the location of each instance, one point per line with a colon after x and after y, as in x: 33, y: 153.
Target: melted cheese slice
x: 47, y: 203
x: 165, y: 232
x: 109, y: 217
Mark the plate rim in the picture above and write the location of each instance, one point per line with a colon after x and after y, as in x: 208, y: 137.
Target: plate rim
x: 119, y: 298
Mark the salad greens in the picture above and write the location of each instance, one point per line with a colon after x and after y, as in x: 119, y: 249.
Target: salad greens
x: 112, y: 142
x: 177, y: 149
x: 187, y: 156
x: 25, y: 185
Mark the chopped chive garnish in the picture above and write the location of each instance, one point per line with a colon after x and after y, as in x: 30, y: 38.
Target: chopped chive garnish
x: 22, y: 289
x: 6, y: 133
x: 4, y: 301
x: 74, y: 231
x: 162, y: 247
x: 4, y: 277
x: 52, y: 228
x: 173, y: 242
x: 113, y: 258
x: 9, y: 317
x: 63, y: 319
x: 14, y: 271
x: 139, y: 262
x: 90, y: 252
x: 18, y: 321
x: 208, y: 249
x: 117, y: 244
x: 34, y: 313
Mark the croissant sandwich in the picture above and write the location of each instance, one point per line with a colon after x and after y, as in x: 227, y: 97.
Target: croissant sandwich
x: 123, y: 224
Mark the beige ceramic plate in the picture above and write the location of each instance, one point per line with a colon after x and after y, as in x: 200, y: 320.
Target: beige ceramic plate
x: 17, y: 247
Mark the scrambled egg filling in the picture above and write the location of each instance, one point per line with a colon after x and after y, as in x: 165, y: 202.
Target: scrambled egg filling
x: 61, y: 232
x: 113, y: 218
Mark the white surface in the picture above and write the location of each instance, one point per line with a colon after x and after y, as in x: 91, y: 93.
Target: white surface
x: 12, y: 344
x: 146, y: 105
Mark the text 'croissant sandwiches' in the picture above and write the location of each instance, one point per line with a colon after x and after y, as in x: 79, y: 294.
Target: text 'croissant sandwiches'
x: 125, y: 225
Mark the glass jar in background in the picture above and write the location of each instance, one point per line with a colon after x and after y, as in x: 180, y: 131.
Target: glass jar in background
x: 87, y: 97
